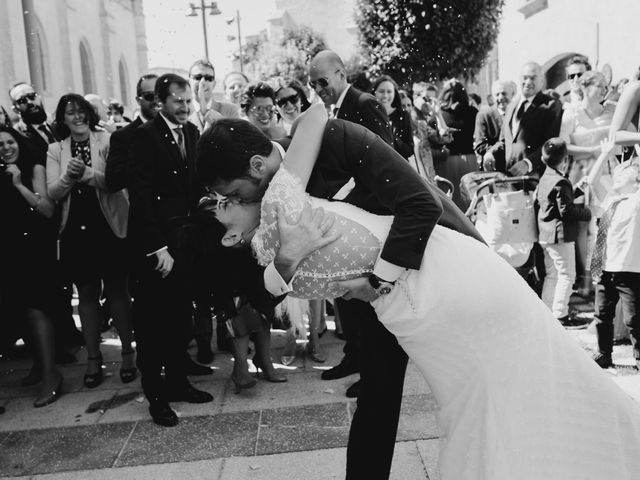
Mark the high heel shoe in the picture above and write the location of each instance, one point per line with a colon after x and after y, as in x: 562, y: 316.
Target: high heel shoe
x: 92, y: 380
x: 51, y: 396
x: 243, y: 386
x: 128, y: 375
x: 271, y: 377
x: 315, y: 355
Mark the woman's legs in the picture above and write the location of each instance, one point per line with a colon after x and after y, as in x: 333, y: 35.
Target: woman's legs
x: 91, y: 321
x: 240, y: 367
x: 117, y: 292
x: 316, y: 317
x: 262, y: 358
x: 43, y: 344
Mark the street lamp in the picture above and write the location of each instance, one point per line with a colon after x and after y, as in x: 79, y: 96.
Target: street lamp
x: 193, y: 12
x: 230, y: 37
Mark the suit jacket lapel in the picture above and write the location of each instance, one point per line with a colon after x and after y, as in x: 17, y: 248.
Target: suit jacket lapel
x: 168, y: 142
x: 349, y: 104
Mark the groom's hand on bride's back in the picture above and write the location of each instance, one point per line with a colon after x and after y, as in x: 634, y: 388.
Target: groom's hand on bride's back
x: 299, y: 239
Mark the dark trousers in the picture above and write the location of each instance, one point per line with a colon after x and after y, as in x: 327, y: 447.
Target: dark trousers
x: 375, y: 422
x: 162, y: 328
x: 614, y: 286
x: 350, y: 329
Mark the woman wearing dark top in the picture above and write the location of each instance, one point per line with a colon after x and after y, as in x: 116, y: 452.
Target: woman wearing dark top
x: 27, y: 244
x: 386, y: 91
x: 460, y: 117
x: 92, y: 230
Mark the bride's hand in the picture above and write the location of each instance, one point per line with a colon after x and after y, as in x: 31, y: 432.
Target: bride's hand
x: 358, y: 288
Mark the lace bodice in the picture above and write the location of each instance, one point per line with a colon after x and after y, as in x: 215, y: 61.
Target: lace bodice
x: 353, y: 255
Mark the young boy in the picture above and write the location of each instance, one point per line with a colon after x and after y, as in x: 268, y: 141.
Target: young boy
x: 558, y: 219
x: 616, y: 262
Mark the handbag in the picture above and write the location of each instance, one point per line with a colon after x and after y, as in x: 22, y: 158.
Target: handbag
x: 511, y: 217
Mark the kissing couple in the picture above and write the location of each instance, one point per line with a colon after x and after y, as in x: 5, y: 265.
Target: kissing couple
x: 518, y: 398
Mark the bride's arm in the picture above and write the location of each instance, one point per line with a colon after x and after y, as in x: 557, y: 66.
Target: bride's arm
x: 307, y: 138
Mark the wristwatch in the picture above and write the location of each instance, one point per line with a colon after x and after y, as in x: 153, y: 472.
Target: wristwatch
x: 382, y: 287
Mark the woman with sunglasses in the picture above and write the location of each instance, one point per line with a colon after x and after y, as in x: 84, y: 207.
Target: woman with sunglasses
x: 385, y: 90
x: 28, y: 256
x: 291, y: 100
x: 92, y: 230
x: 258, y: 104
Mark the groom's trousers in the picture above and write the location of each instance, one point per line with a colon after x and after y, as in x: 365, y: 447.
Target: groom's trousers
x: 374, y: 426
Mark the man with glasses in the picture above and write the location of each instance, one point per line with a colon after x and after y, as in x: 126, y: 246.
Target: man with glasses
x: 33, y: 118
x: 576, y: 66
x: 328, y: 77
x: 164, y: 192
x: 206, y: 109
x: 120, y: 145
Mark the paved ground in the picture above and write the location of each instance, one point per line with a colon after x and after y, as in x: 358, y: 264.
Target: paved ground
x: 296, y: 430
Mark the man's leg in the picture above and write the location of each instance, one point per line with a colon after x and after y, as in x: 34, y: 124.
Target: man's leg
x: 606, y: 299
x: 628, y: 286
x: 350, y: 321
x: 375, y: 422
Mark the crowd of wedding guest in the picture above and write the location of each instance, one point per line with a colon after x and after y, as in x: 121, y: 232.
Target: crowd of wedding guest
x: 103, y: 208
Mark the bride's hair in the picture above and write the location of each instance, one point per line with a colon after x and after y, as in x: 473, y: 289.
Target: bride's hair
x: 224, y: 150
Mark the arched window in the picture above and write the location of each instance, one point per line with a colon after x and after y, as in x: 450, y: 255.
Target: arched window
x: 86, y: 67
x: 124, y: 79
x: 39, y: 76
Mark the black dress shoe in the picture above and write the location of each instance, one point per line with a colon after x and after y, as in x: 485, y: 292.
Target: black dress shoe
x: 343, y: 369
x: 189, y: 394
x: 204, y: 355
x: 162, y: 414
x: 354, y: 390
x: 603, y: 360
x: 195, y: 369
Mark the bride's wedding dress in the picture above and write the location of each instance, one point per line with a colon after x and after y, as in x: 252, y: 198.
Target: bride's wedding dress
x: 518, y: 398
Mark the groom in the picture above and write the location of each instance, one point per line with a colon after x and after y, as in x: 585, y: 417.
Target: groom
x: 238, y: 161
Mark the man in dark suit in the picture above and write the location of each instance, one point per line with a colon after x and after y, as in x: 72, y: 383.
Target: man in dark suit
x: 237, y: 161
x: 120, y: 144
x: 328, y: 77
x: 490, y: 118
x: 531, y: 119
x: 163, y: 192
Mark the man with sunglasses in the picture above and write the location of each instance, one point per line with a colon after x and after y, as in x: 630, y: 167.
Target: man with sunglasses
x: 33, y: 118
x: 119, y: 159
x: 206, y: 109
x: 576, y: 66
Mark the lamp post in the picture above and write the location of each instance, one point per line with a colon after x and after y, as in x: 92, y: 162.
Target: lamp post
x: 193, y: 12
x: 237, y: 20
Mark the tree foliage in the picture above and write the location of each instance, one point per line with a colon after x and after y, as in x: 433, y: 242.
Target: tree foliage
x: 414, y: 40
x: 288, y: 54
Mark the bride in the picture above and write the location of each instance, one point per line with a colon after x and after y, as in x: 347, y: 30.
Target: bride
x: 518, y: 398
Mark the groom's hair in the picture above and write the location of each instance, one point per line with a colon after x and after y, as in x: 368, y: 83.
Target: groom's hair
x: 224, y: 150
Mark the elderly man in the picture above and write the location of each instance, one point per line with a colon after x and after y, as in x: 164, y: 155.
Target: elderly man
x: 490, y: 118
x: 531, y: 119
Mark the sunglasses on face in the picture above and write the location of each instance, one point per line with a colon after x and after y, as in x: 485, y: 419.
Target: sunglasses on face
x: 262, y: 109
x: 321, y: 82
x: 573, y: 76
x: 26, y: 98
x: 292, y: 99
x: 147, y: 96
x: 198, y: 76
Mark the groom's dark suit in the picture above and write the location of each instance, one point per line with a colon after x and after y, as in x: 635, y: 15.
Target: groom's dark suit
x: 384, y: 184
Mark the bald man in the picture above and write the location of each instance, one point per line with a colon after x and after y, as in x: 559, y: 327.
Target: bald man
x: 490, y: 118
x: 531, y: 119
x: 328, y: 77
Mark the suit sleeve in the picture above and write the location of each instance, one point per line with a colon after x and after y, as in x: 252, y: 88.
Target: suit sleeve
x: 569, y: 210
x: 481, y: 134
x: 415, y: 207
x: 375, y: 118
x: 117, y: 162
x: 146, y: 224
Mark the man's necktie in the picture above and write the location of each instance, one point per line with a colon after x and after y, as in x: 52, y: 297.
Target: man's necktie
x: 50, y: 138
x: 335, y: 112
x: 599, y: 257
x: 519, y: 115
x: 180, y: 135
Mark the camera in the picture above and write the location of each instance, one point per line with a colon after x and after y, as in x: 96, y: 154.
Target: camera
x: 3, y: 168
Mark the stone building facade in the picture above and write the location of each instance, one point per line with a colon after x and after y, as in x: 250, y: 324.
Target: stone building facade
x: 82, y: 46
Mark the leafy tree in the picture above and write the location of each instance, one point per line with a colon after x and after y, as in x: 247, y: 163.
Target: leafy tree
x: 288, y: 54
x: 414, y: 40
